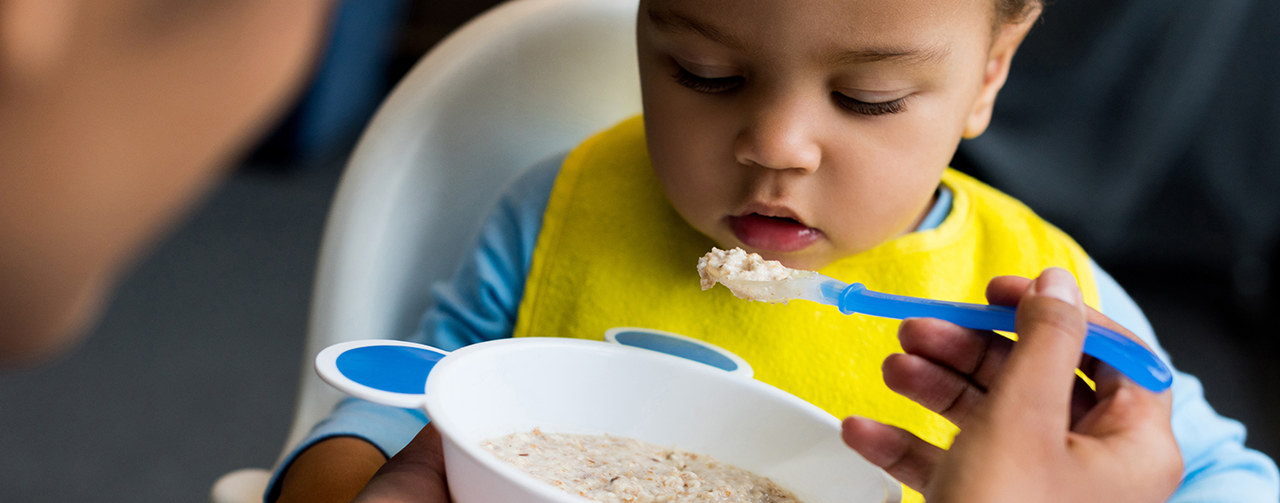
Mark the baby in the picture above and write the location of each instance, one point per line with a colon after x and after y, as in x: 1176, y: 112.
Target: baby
x: 813, y: 132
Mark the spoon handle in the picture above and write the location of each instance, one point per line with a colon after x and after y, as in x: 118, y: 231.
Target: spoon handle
x: 1122, y: 353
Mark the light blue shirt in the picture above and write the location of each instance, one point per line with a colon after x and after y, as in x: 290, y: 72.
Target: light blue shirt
x: 481, y: 301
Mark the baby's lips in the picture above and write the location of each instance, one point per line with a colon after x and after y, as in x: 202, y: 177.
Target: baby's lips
x: 765, y: 210
x: 774, y: 234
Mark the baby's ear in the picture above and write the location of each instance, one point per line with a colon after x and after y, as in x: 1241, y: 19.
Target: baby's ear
x: 33, y: 36
x: 1007, y: 40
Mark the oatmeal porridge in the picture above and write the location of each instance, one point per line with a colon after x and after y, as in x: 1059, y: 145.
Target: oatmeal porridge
x: 749, y: 276
x: 618, y: 469
x: 736, y: 264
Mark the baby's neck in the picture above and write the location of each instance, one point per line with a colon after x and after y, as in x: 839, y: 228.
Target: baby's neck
x: 933, y: 213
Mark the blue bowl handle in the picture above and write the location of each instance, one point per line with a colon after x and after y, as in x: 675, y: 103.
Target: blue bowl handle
x: 384, y: 371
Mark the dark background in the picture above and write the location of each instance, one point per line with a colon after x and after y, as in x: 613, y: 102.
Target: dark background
x: 1144, y: 128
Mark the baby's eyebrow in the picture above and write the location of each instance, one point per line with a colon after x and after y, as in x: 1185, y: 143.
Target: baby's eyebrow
x: 673, y: 21
x: 670, y: 21
x: 907, y: 55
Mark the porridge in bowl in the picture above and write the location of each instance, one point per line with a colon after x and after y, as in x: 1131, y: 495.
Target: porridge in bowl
x: 618, y: 469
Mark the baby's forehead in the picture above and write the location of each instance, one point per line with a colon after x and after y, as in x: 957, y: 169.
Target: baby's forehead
x: 842, y: 32
x: 821, y: 18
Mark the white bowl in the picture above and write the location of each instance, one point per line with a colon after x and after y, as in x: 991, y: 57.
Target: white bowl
x: 496, y: 388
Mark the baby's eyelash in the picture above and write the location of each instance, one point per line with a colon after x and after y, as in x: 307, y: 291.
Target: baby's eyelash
x: 713, y: 85
x: 705, y: 84
x: 872, y: 109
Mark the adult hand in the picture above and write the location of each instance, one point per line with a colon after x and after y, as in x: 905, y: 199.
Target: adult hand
x: 1030, y: 431
x: 415, y: 474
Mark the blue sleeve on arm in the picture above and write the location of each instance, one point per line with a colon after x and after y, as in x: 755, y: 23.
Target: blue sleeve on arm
x: 1217, y: 467
x: 479, y: 303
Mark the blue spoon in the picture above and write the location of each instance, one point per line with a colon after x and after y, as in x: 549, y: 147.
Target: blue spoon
x: 1122, y: 353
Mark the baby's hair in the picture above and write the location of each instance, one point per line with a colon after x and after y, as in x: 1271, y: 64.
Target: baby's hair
x: 1016, y: 11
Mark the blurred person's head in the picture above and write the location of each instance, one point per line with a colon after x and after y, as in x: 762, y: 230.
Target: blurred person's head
x: 115, y: 116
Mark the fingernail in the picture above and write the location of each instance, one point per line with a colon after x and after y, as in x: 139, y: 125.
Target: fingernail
x: 1057, y: 283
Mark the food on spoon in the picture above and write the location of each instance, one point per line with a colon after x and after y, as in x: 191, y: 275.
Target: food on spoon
x: 748, y: 275
x: 736, y: 264
x: 615, y: 469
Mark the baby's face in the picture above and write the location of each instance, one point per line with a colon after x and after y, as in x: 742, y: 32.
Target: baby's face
x: 810, y: 130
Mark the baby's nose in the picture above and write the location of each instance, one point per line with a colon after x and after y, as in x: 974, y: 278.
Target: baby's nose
x: 781, y: 136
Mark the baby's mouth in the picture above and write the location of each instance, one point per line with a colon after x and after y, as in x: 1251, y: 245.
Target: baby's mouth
x: 772, y: 233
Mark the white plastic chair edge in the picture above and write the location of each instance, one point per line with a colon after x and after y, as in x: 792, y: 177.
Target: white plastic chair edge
x: 249, y: 484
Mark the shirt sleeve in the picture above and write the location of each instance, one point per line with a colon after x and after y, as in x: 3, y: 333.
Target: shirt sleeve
x: 479, y: 303
x: 1217, y: 467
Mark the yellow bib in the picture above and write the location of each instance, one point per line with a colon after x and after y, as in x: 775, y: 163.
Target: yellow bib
x: 613, y: 252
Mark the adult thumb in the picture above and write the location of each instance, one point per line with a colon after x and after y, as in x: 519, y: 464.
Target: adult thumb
x: 1039, y: 373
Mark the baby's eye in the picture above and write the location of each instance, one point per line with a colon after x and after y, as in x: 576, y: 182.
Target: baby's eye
x: 705, y: 84
x: 867, y: 108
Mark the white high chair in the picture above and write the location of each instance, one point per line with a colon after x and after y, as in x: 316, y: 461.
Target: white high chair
x: 524, y: 81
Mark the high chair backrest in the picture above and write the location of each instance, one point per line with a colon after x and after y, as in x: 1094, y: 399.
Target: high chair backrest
x: 525, y: 80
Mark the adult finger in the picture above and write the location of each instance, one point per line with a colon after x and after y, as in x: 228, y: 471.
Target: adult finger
x: 901, y: 454
x: 953, y: 395
x: 1104, y: 375
x: 415, y: 474
x: 1037, y: 382
x: 936, y: 387
x: 1007, y: 290
x: 1112, y: 388
x: 976, y: 354
x: 1128, y: 425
